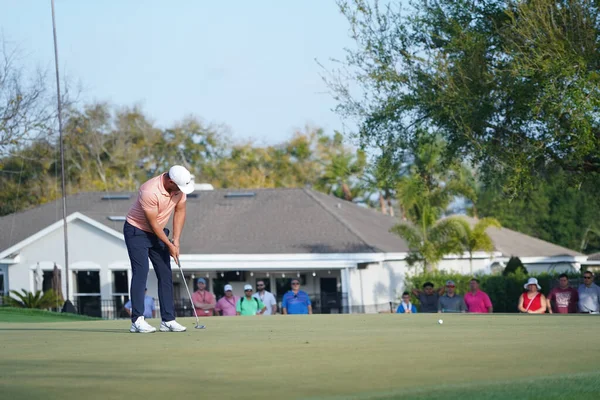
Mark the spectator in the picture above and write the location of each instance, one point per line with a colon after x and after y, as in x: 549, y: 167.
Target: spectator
x: 428, y: 297
x: 266, y: 297
x: 149, y: 307
x: 249, y: 305
x: 405, y: 306
x: 451, y: 302
x: 296, y: 301
x: 226, y: 304
x: 532, y: 301
x: 589, y: 295
x: 562, y: 299
x: 204, y: 301
x: 476, y: 300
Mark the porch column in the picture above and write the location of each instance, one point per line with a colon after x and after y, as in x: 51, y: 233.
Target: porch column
x: 345, y: 275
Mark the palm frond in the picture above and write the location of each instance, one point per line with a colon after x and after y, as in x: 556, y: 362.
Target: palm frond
x: 413, y: 237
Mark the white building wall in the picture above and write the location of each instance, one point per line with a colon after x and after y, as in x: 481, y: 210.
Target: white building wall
x: 89, y: 249
x: 462, y: 266
x: 378, y: 284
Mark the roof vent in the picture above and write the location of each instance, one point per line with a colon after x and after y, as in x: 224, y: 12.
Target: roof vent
x: 117, y: 218
x: 116, y: 197
x: 239, y: 194
x: 203, y: 186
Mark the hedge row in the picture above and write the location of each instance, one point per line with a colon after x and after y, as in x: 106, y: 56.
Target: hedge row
x: 504, y: 291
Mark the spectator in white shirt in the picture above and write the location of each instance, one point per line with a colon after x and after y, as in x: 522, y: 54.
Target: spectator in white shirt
x: 266, y: 297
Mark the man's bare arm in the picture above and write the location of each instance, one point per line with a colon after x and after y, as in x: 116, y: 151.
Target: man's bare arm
x: 178, y: 221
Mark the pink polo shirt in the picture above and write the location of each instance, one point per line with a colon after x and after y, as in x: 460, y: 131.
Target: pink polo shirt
x: 153, y: 196
x: 478, y: 302
x: 227, y: 305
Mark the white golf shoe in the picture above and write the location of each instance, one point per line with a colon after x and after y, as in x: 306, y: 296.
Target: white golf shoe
x: 172, y: 326
x: 141, y: 326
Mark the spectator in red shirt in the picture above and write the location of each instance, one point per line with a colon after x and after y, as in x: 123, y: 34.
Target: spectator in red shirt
x: 562, y: 299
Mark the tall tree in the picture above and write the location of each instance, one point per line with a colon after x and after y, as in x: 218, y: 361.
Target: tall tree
x: 511, y: 86
x: 475, y: 238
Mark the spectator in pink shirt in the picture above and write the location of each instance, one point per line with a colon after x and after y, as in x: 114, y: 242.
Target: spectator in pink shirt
x: 476, y: 300
x: 226, y: 304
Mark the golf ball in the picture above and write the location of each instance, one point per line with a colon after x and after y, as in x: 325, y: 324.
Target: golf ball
x: 440, y: 321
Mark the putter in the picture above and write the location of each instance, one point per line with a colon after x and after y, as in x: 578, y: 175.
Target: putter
x: 198, y: 326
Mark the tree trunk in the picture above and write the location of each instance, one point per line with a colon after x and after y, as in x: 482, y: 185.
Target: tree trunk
x: 390, y: 208
x: 382, y: 204
x: 346, y: 190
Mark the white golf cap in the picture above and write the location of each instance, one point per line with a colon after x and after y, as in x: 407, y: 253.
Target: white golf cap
x: 247, y: 287
x: 182, y: 178
x: 228, y: 287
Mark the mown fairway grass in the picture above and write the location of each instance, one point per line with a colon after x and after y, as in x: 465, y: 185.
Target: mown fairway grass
x: 381, y: 356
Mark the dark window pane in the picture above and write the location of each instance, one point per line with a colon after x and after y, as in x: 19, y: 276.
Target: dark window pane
x: 120, y: 284
x: 88, y: 281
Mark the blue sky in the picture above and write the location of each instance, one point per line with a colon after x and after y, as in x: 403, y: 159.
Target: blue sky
x: 247, y: 64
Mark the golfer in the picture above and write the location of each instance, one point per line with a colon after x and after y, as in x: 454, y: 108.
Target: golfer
x: 146, y: 237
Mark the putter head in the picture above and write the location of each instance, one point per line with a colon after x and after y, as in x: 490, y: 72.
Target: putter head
x: 198, y: 326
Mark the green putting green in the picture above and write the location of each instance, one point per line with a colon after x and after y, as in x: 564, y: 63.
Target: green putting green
x: 381, y: 356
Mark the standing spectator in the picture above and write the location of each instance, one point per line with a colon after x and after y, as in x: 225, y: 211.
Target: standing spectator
x: 589, y: 295
x: 249, y: 305
x: 406, y: 307
x: 476, y: 300
x: 226, y: 304
x: 296, y: 301
x: 204, y: 301
x: 266, y: 297
x: 532, y: 301
x: 451, y: 302
x: 428, y: 297
x: 563, y: 299
x: 149, y: 307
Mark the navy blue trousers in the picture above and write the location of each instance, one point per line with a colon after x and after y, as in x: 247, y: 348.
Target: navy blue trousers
x: 142, y: 245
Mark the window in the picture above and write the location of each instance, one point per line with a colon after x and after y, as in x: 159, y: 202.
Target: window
x: 47, y: 282
x: 120, y: 283
x: 1, y: 285
x: 87, y: 292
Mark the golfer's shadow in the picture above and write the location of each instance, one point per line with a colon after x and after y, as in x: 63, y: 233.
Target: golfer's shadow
x: 122, y: 331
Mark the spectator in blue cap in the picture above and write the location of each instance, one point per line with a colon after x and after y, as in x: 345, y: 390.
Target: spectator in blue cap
x: 204, y: 301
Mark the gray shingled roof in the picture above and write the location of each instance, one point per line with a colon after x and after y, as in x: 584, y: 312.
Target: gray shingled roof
x: 594, y: 257
x: 273, y: 221
x: 512, y: 243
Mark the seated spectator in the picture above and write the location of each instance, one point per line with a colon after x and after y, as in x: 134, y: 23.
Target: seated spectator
x: 589, y: 295
x: 226, y: 304
x: 149, y: 307
x: 562, y: 299
x: 249, y: 305
x: 428, y: 297
x: 406, y: 307
x: 451, y: 302
x: 476, y: 300
x: 532, y: 301
x: 296, y: 301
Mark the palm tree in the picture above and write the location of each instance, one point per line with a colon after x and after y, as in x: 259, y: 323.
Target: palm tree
x: 429, y: 243
x: 475, y: 238
x: 39, y: 299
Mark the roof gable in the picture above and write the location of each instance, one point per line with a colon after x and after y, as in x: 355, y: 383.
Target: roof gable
x: 53, y: 227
